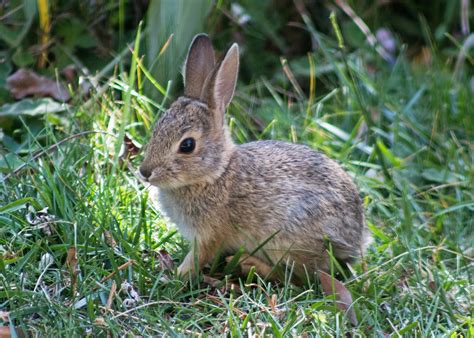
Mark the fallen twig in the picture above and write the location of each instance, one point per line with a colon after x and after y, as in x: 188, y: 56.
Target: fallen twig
x: 120, y: 268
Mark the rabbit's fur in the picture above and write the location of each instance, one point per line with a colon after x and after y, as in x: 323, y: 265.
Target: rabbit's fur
x: 224, y: 196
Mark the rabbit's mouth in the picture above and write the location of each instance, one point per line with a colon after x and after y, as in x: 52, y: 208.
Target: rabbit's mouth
x: 156, y: 180
x: 149, y: 176
x: 162, y: 182
x: 156, y: 177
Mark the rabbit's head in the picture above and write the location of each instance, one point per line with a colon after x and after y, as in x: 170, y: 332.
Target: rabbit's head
x: 190, y: 142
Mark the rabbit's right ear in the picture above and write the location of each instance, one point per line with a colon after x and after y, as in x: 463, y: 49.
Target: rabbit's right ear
x: 220, y: 85
x: 199, y: 63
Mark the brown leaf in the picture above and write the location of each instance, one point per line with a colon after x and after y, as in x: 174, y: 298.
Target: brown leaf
x: 423, y: 56
x: 100, y: 321
x: 330, y: 286
x: 41, y: 219
x: 130, y: 147
x: 69, y: 73
x: 133, y: 298
x: 25, y: 82
x: 5, y: 332
x: 273, y: 302
x: 4, y: 316
x: 71, y: 260
x: 71, y: 263
x: 109, y: 239
x: 166, y: 261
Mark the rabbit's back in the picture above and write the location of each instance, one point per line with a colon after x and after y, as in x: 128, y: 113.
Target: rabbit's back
x: 298, y: 193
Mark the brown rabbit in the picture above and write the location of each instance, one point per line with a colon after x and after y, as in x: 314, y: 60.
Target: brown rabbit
x: 224, y: 196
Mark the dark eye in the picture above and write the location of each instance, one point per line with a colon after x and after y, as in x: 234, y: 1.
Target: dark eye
x: 187, y: 145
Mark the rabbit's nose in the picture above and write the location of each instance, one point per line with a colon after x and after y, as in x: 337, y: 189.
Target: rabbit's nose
x: 145, y: 173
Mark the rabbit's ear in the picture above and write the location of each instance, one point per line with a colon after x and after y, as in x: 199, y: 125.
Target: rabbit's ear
x: 220, y: 85
x: 198, y: 65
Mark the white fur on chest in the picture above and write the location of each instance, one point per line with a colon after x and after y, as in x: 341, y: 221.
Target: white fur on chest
x: 170, y: 207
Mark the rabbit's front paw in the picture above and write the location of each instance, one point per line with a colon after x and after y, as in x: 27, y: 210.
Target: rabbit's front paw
x: 187, y: 266
x: 246, y: 262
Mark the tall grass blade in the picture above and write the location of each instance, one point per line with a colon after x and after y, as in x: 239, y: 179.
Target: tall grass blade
x: 165, y: 56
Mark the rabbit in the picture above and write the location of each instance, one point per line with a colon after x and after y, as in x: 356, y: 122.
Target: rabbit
x: 224, y: 197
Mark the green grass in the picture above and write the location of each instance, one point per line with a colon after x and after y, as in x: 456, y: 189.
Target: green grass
x: 414, y: 167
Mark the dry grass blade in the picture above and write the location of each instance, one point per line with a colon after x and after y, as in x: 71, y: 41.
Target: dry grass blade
x: 289, y: 74
x: 113, y: 288
x: 371, y: 39
x: 166, y: 45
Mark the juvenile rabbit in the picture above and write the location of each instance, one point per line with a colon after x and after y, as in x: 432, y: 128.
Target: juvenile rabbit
x: 224, y: 196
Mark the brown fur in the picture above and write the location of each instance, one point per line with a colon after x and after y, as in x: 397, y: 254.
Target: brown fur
x: 224, y: 196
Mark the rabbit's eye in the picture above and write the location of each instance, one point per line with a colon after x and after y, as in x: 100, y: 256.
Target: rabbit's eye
x: 187, y: 145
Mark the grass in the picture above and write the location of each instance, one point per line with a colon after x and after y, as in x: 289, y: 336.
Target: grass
x: 413, y: 165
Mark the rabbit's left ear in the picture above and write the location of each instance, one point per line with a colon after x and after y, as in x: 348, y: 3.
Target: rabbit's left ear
x: 220, y: 85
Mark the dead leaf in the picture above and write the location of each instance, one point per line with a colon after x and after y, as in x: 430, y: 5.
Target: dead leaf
x: 41, y: 219
x: 100, y: 321
x: 71, y: 260
x: 71, y: 263
x: 330, y: 286
x: 6, y: 333
x: 4, y: 316
x: 25, y: 82
x: 423, y: 56
x: 69, y: 73
x: 6, y: 256
x: 166, y: 261
x: 133, y: 298
x: 109, y: 239
x: 130, y: 147
x: 273, y: 303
